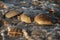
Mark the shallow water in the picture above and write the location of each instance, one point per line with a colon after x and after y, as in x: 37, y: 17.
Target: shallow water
x: 27, y: 7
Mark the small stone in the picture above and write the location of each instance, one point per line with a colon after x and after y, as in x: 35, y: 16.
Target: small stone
x: 5, y: 22
x: 14, y: 21
x: 42, y: 19
x: 11, y: 14
x: 3, y: 5
x: 58, y: 21
x: 1, y: 38
x: 55, y: 0
x: 24, y: 18
x: 52, y: 10
x: 36, y: 2
x: 38, y: 34
x: 26, y: 35
x: 49, y: 38
x: 1, y: 23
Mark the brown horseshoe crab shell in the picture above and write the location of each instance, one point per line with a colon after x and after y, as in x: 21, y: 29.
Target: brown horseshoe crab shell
x: 42, y: 19
x: 24, y: 18
x: 11, y: 14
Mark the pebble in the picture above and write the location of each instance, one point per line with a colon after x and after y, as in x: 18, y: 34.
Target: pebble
x: 52, y: 11
x: 36, y: 3
x: 3, y: 5
x: 55, y: 0
x: 26, y: 35
x: 14, y: 21
x: 1, y: 38
x: 49, y: 38
x: 5, y: 22
x: 1, y: 23
x: 58, y: 21
x: 38, y: 34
